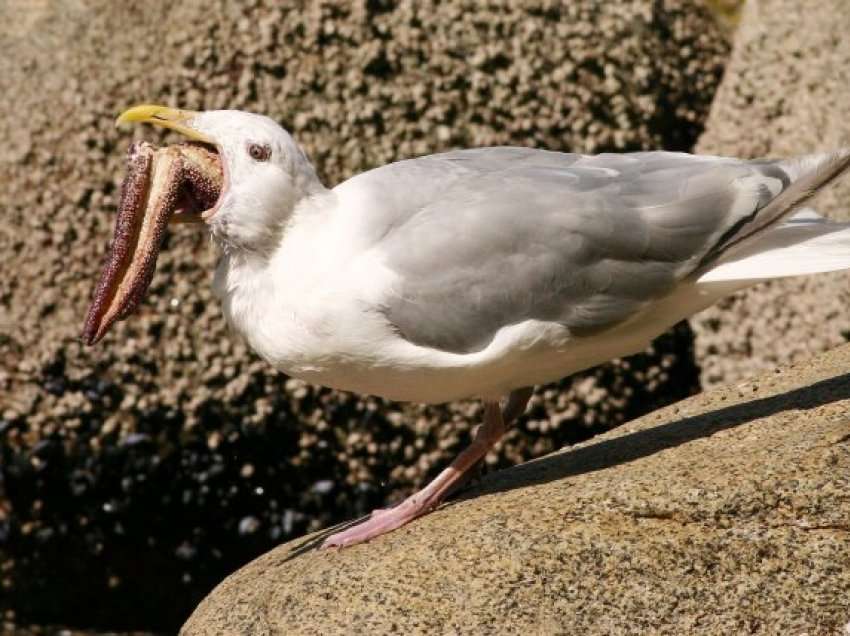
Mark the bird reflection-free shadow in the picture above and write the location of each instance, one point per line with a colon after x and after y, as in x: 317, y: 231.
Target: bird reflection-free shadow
x: 632, y: 446
x: 314, y: 541
x: 608, y: 453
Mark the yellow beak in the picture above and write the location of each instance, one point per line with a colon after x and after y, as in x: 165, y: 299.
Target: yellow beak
x: 166, y: 117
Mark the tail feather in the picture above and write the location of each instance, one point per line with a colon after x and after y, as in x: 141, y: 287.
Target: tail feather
x: 805, y: 244
x: 804, y: 177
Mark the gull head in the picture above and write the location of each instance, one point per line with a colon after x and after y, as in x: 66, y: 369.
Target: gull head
x: 266, y: 174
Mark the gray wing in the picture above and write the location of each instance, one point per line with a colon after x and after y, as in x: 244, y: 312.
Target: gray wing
x: 486, y: 238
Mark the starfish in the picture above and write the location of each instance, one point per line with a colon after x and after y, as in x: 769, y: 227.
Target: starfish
x: 162, y: 185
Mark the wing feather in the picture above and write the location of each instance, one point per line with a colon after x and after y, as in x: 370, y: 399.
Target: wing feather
x: 486, y: 238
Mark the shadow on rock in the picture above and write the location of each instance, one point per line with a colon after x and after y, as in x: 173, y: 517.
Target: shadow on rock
x: 632, y: 446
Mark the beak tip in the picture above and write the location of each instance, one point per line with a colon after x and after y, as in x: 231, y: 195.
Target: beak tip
x: 139, y: 113
x: 165, y: 117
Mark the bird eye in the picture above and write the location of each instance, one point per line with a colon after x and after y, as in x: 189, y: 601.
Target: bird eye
x: 259, y: 152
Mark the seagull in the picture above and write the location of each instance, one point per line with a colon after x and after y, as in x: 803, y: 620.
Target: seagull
x: 483, y: 272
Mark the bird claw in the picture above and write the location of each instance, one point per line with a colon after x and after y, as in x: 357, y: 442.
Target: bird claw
x: 380, y: 521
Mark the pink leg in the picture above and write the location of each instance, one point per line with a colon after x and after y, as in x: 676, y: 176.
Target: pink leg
x: 424, y: 501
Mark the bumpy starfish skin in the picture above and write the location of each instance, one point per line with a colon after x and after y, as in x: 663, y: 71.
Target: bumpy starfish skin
x: 157, y: 183
x: 202, y: 173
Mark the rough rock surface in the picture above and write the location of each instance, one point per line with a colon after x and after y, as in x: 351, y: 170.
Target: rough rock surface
x: 727, y: 513
x: 785, y: 93
x: 148, y: 467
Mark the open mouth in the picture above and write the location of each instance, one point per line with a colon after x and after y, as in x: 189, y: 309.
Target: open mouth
x: 183, y: 183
